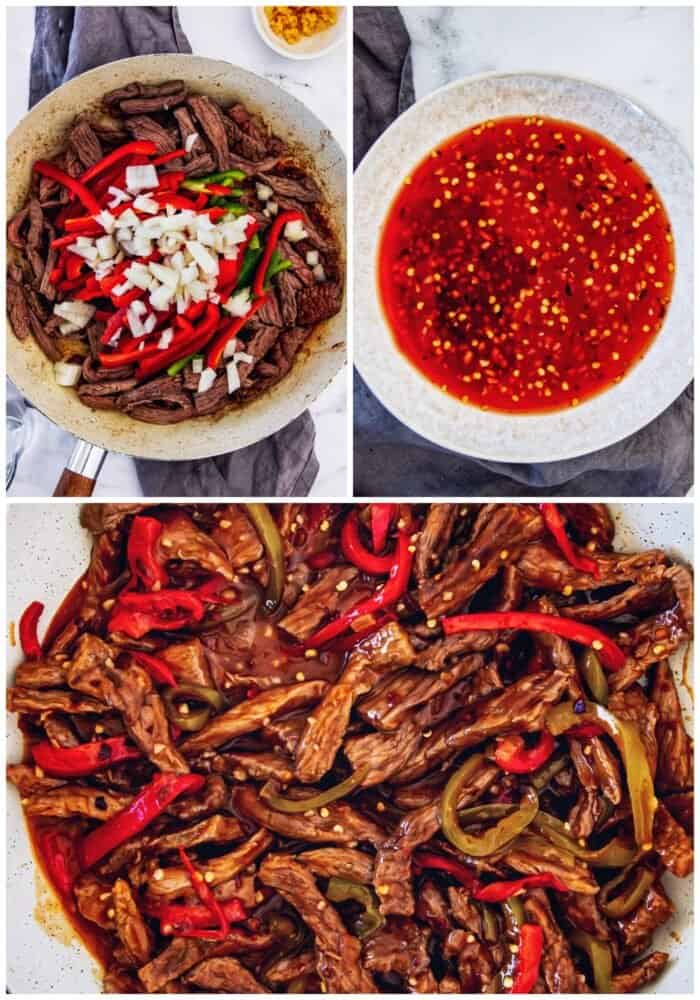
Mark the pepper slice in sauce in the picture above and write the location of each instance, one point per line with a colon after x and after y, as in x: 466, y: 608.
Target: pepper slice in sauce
x: 525, y: 265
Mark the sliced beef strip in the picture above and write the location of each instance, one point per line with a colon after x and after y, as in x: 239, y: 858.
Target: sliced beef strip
x: 251, y: 167
x: 187, y: 127
x: 250, y: 146
x: 401, y: 948
x: 647, y: 643
x: 86, y: 143
x: 302, y: 189
x: 92, y: 372
x: 151, y: 105
x: 42, y: 335
x: 146, y: 128
x: 543, y: 567
x: 557, y: 964
x: 270, y: 314
x: 439, y: 655
x: 343, y: 825
x: 387, y: 649
x: 675, y: 768
x: 15, y: 226
x: 530, y: 854
x: 27, y: 700
x: 590, y: 522
x: 582, y: 913
x: 175, y: 881
x: 288, y: 286
x: 162, y: 401
x: 633, y: 977
x: 434, y: 537
x: 113, y: 98
x: 301, y: 269
x: 176, y: 959
x: 341, y: 862
x: 289, y: 967
x: 319, y: 601
x: 40, y: 674
x: 209, y: 115
x: 672, y: 843
x: 76, y: 800
x: 28, y: 783
x: 199, y: 166
x: 132, y: 929
x: 643, y: 595
x: 633, y: 705
x: 18, y: 309
x: 637, y: 928
x: 318, y: 302
x: 181, y: 539
x: 337, y: 952
x: 223, y: 975
x: 262, y: 766
x: 235, y: 534
x: 496, y: 539
x: 250, y: 715
x: 432, y: 908
x: 475, y: 964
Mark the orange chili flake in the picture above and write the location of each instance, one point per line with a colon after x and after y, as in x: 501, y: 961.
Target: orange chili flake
x: 558, y: 277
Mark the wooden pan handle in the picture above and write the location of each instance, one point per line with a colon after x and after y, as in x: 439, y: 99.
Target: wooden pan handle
x: 80, y: 474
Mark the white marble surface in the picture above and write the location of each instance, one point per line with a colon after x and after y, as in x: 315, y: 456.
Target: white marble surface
x: 219, y: 33
x: 644, y: 52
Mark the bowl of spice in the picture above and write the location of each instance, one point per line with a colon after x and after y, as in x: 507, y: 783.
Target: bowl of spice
x: 300, y: 32
x: 523, y: 280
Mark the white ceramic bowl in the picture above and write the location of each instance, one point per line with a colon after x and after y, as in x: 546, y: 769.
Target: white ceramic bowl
x: 307, y: 48
x: 47, y: 551
x: 654, y: 382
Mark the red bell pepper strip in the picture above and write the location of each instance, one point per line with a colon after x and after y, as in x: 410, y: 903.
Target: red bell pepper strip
x: 31, y: 647
x: 182, y: 346
x: 115, y: 323
x: 142, y: 552
x: 57, y: 851
x: 610, y: 653
x: 555, y: 523
x: 75, y: 187
x: 511, y: 755
x: 170, y: 181
x: 355, y: 551
x: 176, y: 200
x: 216, y: 350
x: 158, y: 669
x: 88, y: 294
x: 150, y: 802
x: 527, y: 966
x: 381, y: 516
x: 322, y: 560
x: 585, y: 731
x: 169, y: 610
x: 120, y: 301
x: 394, y: 588
x: 70, y: 286
x: 176, y: 154
x: 272, y: 240
x: 499, y: 892
x: 83, y: 225
x: 74, y: 265
x: 177, y: 917
x: 440, y: 862
x: 229, y: 271
x: 210, y: 590
x: 195, y: 310
x: 139, y: 147
x: 209, y: 900
x: 87, y: 758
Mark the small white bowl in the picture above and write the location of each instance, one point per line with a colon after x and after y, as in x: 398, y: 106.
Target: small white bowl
x: 307, y: 48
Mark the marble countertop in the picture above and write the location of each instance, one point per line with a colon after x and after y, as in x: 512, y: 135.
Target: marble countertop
x: 219, y: 33
x: 644, y: 52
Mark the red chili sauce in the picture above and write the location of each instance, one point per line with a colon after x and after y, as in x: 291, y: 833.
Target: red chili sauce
x: 525, y: 265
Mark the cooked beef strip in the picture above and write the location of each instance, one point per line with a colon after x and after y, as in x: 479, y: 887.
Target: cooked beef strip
x: 543, y: 567
x: 494, y: 541
x: 318, y: 302
x: 342, y: 862
x: 27, y: 781
x: 530, y: 854
x: 672, y: 843
x: 590, y: 522
x: 400, y: 947
x: 172, y: 882
x: 291, y: 967
x: 40, y: 674
x: 211, y: 118
x: 235, y: 534
x: 649, y: 641
x: 636, y: 929
x: 182, y: 539
x: 434, y: 537
x: 149, y: 105
x: 337, y: 952
x: 633, y: 977
x: 75, y: 800
x: 387, y: 649
x: 147, y: 128
x: 27, y: 700
x: 223, y: 975
x: 131, y: 928
x: 474, y: 962
x: 557, y: 966
x: 86, y: 143
x: 675, y: 767
x: 320, y: 600
x: 174, y: 961
x: 251, y: 715
x: 303, y: 189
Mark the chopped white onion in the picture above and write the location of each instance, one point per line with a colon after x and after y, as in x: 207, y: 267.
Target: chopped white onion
x: 149, y: 324
x: 312, y: 258
x: 145, y: 204
x: 166, y: 275
x: 166, y: 338
x: 118, y: 196
x: 106, y: 247
x: 206, y: 380
x: 263, y: 191
x: 66, y: 373
x: 203, y: 258
x: 197, y: 366
x: 319, y: 273
x: 89, y: 252
x: 230, y: 348
x: 232, y: 376
x: 128, y: 218
x: 190, y: 141
x: 75, y: 312
x: 272, y: 208
x: 106, y: 220
x: 142, y: 177
x: 239, y: 304
x: 161, y: 298
x: 294, y: 231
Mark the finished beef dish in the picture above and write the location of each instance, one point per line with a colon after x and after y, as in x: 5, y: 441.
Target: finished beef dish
x: 526, y: 265
x: 366, y: 748
x: 173, y: 258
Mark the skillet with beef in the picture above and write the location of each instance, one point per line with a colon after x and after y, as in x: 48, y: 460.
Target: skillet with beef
x: 174, y: 258
x: 356, y: 749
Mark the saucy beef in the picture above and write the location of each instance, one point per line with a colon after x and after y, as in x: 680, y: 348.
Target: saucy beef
x: 360, y: 748
x: 198, y: 139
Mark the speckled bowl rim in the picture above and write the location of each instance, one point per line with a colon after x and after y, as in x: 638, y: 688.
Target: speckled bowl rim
x: 40, y: 133
x: 336, y: 33
x: 654, y: 382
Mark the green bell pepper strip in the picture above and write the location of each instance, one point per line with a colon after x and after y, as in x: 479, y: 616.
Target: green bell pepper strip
x: 277, y: 264
x: 177, y: 366
x: 594, y: 676
x: 339, y: 791
x: 192, y: 722
x: 222, y: 177
x: 489, y: 841
x: 615, y: 854
x: 514, y: 915
x: 625, y: 735
x: 630, y: 897
x: 600, y: 957
x: 267, y: 529
x: 339, y: 890
x: 540, y: 779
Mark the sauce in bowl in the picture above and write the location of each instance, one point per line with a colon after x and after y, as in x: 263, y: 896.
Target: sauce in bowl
x: 525, y: 265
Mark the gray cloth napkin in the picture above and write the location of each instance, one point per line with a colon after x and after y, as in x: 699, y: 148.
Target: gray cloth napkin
x: 68, y: 41
x: 390, y: 460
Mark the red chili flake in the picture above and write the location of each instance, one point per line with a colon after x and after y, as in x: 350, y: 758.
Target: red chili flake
x: 526, y: 265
